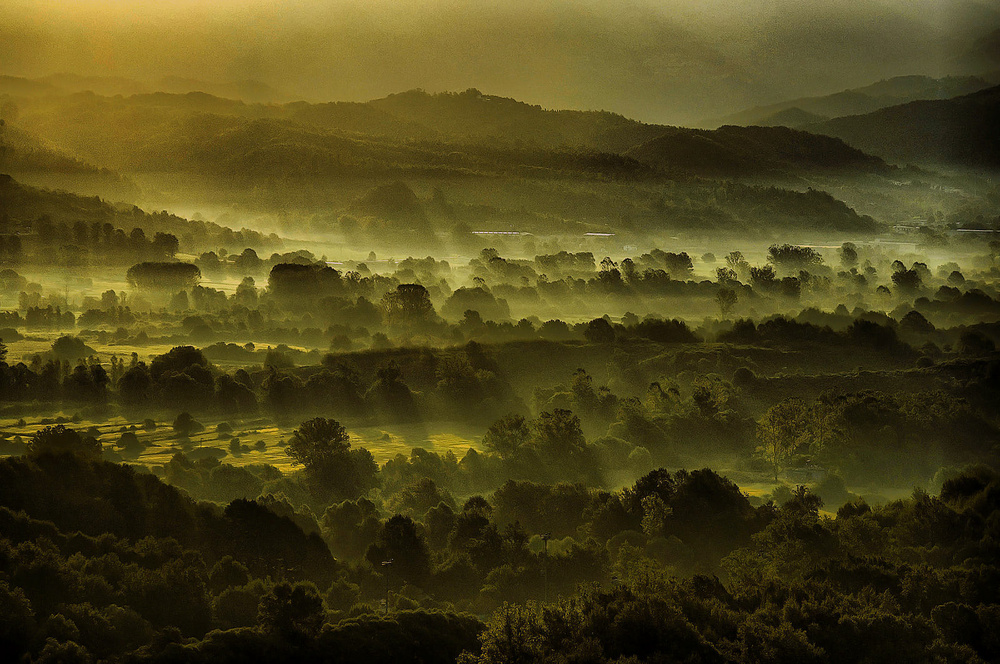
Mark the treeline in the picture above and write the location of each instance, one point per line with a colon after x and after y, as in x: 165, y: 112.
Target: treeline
x: 866, y: 586
x: 358, y: 306
x: 828, y: 427
x: 85, y: 230
x: 445, y: 376
x: 792, y: 275
x: 84, y: 243
x: 309, y: 303
x: 183, y: 379
x: 101, y: 561
x: 414, y: 131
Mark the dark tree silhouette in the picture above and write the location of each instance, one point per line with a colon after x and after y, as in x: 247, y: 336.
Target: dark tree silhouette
x: 60, y: 440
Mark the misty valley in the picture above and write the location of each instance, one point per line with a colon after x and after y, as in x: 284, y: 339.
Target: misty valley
x: 456, y: 378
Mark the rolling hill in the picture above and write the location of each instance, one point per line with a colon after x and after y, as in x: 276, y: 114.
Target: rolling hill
x: 740, y: 151
x: 33, y: 159
x: 471, y: 116
x: 959, y: 132
x: 499, y: 163
x: 449, y: 134
x: 24, y: 203
x: 21, y: 151
x: 69, y: 83
x: 793, y: 117
x: 22, y: 206
x: 867, y: 99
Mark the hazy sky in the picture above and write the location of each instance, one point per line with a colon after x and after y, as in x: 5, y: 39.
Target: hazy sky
x: 667, y: 61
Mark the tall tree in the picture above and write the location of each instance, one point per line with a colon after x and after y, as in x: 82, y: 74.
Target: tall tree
x: 506, y: 435
x: 778, y: 433
x: 332, y: 468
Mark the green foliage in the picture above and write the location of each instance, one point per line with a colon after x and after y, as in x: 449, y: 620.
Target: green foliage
x: 789, y: 572
x: 332, y: 468
x: 793, y: 257
x: 558, y: 434
x: 18, y: 621
x: 599, y: 331
x: 613, y: 626
x: 349, y: 527
x: 317, y: 441
x: 292, y: 610
x: 779, y: 433
x: 476, y: 299
x: 726, y: 298
x: 398, y: 541
x: 291, y: 283
x: 59, y: 439
x: 907, y: 281
x: 163, y: 276
x: 506, y: 436
x: 409, y: 305
x: 71, y: 348
x: 185, y: 425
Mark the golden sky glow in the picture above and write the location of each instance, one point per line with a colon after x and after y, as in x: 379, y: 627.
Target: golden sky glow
x: 663, y: 61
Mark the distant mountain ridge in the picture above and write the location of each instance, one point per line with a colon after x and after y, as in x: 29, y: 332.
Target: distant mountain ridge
x: 731, y: 150
x: 856, y: 101
x: 21, y: 151
x: 457, y: 133
x: 110, y: 86
x: 793, y: 117
x: 962, y: 131
x: 473, y: 116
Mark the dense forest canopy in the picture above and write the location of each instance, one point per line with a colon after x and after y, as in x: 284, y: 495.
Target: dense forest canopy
x: 418, y: 376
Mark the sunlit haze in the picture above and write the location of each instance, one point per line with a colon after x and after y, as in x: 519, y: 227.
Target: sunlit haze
x: 672, y: 62
x: 499, y: 331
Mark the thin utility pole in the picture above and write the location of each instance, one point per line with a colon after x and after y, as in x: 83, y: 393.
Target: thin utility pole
x: 386, y: 564
x: 545, y: 564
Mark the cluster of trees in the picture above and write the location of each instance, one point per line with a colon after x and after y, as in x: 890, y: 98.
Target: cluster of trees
x: 866, y: 586
x: 163, y: 276
x: 353, y: 307
x: 104, y: 242
x: 874, y: 437
x: 462, y: 385
x: 39, y: 225
x: 792, y: 274
x: 705, y: 403
x: 306, y: 302
x: 98, y: 560
x: 370, y: 310
x: 289, y: 564
x: 465, y: 384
